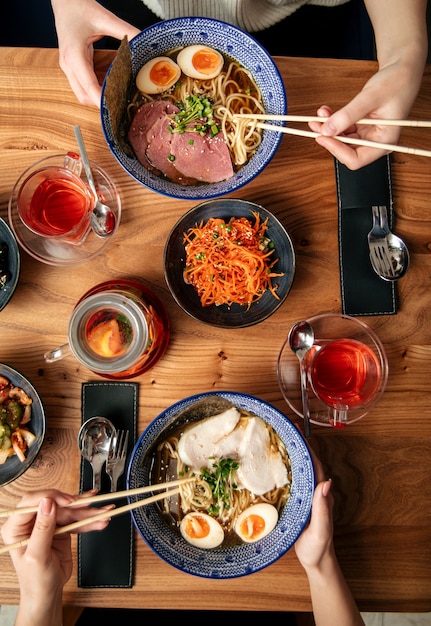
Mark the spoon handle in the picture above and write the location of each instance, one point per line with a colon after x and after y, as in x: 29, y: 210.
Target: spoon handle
x: 97, y: 465
x: 97, y: 478
x: 305, y: 403
x: 85, y: 159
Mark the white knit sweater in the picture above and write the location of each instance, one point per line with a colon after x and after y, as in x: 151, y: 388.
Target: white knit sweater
x: 250, y: 15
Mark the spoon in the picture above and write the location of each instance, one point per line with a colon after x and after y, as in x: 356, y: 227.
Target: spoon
x: 102, y: 218
x: 301, y: 338
x: 400, y: 258
x: 393, y: 258
x: 94, y: 440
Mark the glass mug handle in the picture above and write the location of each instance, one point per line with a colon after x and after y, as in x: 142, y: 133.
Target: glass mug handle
x: 72, y: 161
x: 57, y: 353
x: 339, y: 418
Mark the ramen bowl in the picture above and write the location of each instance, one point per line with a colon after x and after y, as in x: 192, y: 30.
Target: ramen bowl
x: 13, y: 467
x: 232, y: 43
x: 234, y: 315
x: 234, y: 559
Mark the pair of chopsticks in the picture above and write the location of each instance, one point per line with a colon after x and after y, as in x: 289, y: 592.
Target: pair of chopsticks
x: 350, y: 140
x: 105, y: 514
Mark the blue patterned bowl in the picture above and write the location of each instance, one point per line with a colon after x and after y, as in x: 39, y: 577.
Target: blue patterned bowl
x: 231, y: 41
x: 241, y: 559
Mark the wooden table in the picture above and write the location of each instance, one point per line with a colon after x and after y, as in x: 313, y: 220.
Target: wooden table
x: 381, y: 466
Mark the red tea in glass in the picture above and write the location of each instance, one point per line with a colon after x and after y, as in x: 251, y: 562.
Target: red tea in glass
x: 345, y: 374
x: 55, y: 202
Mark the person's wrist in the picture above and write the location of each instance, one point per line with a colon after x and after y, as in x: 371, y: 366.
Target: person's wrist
x: 410, y: 58
x: 43, y: 611
x: 324, y: 567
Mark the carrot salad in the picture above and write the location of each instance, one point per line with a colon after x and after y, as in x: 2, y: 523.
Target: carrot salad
x: 230, y: 262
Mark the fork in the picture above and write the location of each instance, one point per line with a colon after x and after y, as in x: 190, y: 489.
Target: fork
x: 380, y: 255
x: 117, y: 457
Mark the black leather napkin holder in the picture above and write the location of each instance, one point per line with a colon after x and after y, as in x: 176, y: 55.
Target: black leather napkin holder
x: 363, y: 292
x: 106, y: 557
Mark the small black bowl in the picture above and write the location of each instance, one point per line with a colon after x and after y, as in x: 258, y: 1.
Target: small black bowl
x: 13, y: 467
x: 236, y: 315
x: 12, y: 266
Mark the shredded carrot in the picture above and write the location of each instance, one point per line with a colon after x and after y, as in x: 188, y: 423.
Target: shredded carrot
x: 230, y: 262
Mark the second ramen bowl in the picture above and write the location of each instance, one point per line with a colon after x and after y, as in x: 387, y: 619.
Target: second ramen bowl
x: 230, y: 559
x: 230, y: 41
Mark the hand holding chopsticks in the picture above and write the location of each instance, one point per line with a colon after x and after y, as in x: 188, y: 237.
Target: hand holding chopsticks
x: 104, y: 514
x: 349, y: 140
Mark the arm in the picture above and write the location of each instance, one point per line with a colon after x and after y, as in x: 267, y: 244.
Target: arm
x: 330, y: 595
x: 401, y: 42
x: 79, y: 24
x: 45, y: 565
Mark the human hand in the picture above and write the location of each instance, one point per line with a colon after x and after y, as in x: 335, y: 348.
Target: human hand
x: 316, y: 540
x: 79, y: 25
x: 45, y: 564
x: 389, y: 94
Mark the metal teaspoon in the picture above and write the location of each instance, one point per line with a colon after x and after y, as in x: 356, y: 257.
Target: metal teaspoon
x: 301, y: 338
x: 94, y: 440
x: 102, y: 218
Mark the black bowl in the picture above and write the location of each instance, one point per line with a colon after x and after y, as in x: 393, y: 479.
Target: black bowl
x: 236, y: 315
x: 13, y: 467
x: 13, y: 264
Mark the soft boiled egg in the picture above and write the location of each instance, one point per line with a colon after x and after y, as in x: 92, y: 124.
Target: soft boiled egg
x: 157, y: 75
x: 200, y: 61
x: 256, y: 522
x: 201, y: 530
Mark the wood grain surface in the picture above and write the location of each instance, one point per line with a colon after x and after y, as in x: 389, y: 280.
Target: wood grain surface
x: 380, y: 466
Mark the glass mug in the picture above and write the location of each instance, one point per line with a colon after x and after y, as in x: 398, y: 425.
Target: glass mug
x: 118, y: 329
x: 54, y: 201
x: 345, y: 374
x: 346, y: 368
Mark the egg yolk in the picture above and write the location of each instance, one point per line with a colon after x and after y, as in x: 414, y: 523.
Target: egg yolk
x: 105, y: 339
x: 252, y: 526
x: 205, y: 61
x: 197, y: 527
x: 162, y: 73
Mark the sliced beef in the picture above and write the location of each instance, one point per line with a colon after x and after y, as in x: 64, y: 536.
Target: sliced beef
x: 204, y: 158
x: 185, y: 158
x: 140, y: 128
x: 159, y: 152
x: 159, y: 148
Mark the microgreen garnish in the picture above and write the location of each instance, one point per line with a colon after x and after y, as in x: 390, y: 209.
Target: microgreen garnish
x: 221, y: 481
x: 195, y: 115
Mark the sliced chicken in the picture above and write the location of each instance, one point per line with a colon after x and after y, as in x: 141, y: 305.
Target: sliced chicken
x: 261, y: 468
x: 196, y: 445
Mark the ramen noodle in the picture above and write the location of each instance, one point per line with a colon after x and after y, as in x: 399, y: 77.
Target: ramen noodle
x: 231, y: 92
x: 220, y: 488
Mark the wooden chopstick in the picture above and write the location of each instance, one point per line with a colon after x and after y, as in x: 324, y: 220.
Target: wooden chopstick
x: 102, y: 497
x: 351, y: 140
x: 100, y: 516
x: 315, y: 118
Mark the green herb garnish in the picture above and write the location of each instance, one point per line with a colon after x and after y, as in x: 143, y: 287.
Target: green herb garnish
x: 221, y: 482
x: 195, y: 115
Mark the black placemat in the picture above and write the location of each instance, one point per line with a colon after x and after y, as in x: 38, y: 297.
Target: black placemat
x: 362, y: 291
x: 106, y: 557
